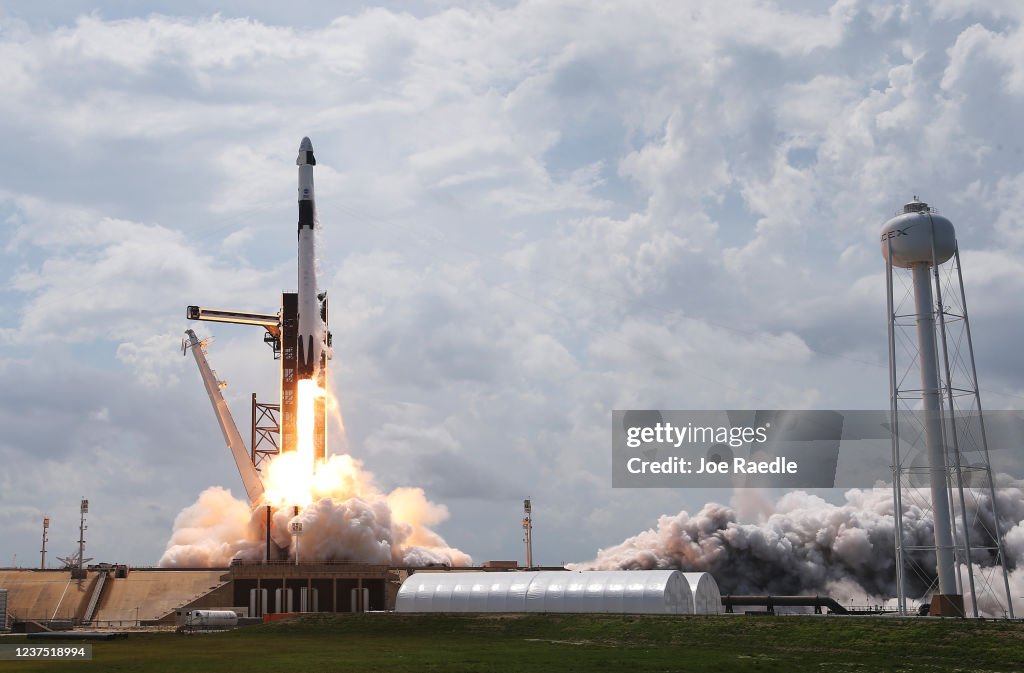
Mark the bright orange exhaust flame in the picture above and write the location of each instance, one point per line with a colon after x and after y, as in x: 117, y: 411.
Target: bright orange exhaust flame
x: 344, y: 513
x: 290, y: 476
x: 305, y: 420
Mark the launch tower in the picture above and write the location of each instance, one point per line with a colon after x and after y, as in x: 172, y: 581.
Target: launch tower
x: 298, y: 337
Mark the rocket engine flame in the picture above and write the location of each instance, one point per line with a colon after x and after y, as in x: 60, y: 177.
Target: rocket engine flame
x: 290, y: 476
x: 308, y: 392
x: 345, y: 515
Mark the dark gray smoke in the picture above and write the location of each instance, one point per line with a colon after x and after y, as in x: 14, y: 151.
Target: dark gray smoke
x: 805, y: 545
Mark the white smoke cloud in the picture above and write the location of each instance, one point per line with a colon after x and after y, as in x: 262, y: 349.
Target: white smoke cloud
x: 208, y: 532
x: 807, y: 545
x: 350, y: 519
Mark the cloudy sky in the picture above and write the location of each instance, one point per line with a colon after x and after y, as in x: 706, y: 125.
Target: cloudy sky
x: 533, y: 213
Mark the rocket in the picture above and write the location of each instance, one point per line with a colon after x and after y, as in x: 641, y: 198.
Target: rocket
x: 311, y: 335
x: 301, y: 342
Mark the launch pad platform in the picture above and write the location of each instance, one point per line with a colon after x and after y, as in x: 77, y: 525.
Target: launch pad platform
x: 122, y: 596
x: 339, y: 586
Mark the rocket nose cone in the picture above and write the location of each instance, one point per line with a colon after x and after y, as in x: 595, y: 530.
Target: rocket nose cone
x: 306, y: 153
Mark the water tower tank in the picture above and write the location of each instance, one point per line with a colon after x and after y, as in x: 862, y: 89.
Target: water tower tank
x: 911, y: 236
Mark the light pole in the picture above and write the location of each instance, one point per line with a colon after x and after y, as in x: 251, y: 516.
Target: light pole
x: 46, y: 528
x: 528, y: 531
x: 296, y: 528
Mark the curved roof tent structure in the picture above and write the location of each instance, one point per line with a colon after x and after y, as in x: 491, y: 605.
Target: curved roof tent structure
x: 607, y: 591
x: 707, y: 599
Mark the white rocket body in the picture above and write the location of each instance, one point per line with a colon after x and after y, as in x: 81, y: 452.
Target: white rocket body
x: 311, y: 332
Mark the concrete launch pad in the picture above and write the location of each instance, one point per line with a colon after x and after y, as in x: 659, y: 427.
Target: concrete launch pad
x: 127, y: 596
x: 157, y: 593
x: 45, y: 594
x: 144, y: 595
x: 338, y: 587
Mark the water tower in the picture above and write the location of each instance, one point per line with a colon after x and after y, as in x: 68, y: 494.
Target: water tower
x: 939, y: 452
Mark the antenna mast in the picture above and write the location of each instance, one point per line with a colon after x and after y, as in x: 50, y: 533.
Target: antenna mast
x: 46, y: 528
x: 528, y: 531
x: 84, y: 509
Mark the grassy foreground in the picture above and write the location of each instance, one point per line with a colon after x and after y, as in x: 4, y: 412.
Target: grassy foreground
x: 564, y: 643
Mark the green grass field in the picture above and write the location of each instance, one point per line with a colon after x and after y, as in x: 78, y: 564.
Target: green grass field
x: 563, y: 643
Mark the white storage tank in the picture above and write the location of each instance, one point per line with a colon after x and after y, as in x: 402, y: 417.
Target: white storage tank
x: 210, y: 619
x: 258, y: 602
x: 612, y: 591
x: 283, y: 600
x: 918, y: 236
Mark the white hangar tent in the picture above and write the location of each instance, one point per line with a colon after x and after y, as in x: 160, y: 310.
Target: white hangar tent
x: 608, y: 591
x: 707, y: 599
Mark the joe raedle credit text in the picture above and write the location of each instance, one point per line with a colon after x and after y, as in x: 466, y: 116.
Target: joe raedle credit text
x: 818, y: 448
x: 665, y: 432
x: 658, y: 448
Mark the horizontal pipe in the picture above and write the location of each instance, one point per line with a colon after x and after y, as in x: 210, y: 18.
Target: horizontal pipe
x: 785, y: 601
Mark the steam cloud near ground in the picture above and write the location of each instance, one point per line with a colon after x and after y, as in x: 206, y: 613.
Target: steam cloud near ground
x: 801, y: 544
x: 350, y: 519
x: 805, y: 545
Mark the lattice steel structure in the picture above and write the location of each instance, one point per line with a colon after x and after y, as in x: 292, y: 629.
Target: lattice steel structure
x: 266, y: 429
x: 940, y: 461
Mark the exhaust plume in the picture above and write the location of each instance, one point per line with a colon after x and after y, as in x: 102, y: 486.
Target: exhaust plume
x: 803, y: 544
x: 348, y: 519
x: 208, y: 532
